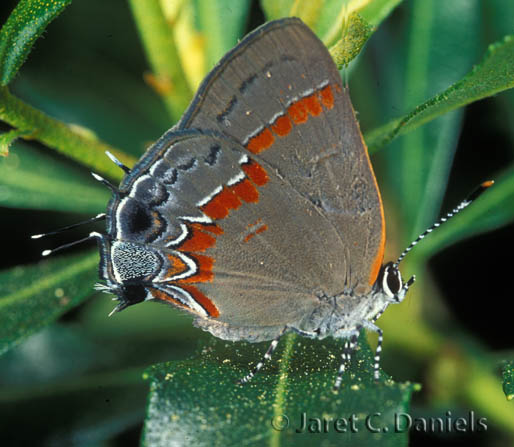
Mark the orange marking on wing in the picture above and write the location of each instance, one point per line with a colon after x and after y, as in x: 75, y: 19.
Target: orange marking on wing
x: 255, y: 223
x: 260, y: 142
x: 203, y: 300
x: 248, y: 237
x: 259, y: 230
x: 211, y: 228
x: 176, y: 266
x: 298, y: 112
x: 379, y: 256
x: 198, y: 241
x: 218, y: 207
x: 313, y: 105
x: 327, y: 97
x: 162, y: 296
x: 255, y: 173
x: 282, y: 126
x: 204, y: 274
x: 246, y: 191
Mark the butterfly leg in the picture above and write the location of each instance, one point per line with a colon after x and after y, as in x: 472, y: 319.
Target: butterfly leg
x: 378, y: 351
x: 267, y: 356
x: 376, y: 366
x: 349, y: 347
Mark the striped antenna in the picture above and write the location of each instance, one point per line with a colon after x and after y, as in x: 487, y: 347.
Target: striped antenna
x: 473, y: 196
x: 98, y: 217
x: 118, y: 163
x: 92, y: 235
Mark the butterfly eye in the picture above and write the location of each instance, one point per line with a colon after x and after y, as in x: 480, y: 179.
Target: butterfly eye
x: 133, y: 294
x: 391, y: 280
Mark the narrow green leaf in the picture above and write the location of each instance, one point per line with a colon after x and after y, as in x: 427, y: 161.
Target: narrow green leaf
x: 168, y: 77
x: 356, y: 33
x: 493, y: 75
x: 34, y: 296
x: 222, y: 23
x: 199, y: 402
x: 23, y: 27
x: 34, y: 179
x: 508, y: 379
x: 8, y: 138
x: 73, y: 141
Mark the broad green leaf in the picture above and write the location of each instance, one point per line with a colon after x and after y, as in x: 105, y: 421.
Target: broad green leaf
x: 222, y: 24
x: 492, y: 210
x: 198, y: 402
x: 31, y: 178
x: 508, y: 380
x: 34, y: 296
x: 23, y: 27
x: 494, y: 74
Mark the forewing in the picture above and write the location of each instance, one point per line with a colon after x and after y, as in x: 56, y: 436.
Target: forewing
x: 280, y: 95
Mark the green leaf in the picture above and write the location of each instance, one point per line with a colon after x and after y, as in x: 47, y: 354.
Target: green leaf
x: 34, y: 296
x: 419, y: 164
x: 34, y: 179
x: 197, y: 401
x: 508, y: 379
x: 326, y: 17
x: 494, y: 74
x: 23, y: 27
x: 222, y: 24
x: 168, y: 76
x: 356, y: 33
x: 8, y: 138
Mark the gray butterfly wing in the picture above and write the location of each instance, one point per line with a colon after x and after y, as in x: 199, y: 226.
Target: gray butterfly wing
x: 234, y: 243
x: 280, y: 95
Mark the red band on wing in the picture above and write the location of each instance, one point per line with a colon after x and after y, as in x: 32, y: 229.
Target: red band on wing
x: 313, y: 105
x: 298, y: 112
x: 197, y: 241
x: 218, y: 207
x: 282, y: 126
x: 211, y: 228
x: 260, y: 142
x: 255, y: 173
x: 177, y: 266
x: 162, y: 296
x: 246, y: 191
x: 204, y: 301
x: 204, y: 273
x: 327, y: 97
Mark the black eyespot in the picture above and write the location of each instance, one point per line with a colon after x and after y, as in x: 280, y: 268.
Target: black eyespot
x: 139, y: 219
x: 133, y: 294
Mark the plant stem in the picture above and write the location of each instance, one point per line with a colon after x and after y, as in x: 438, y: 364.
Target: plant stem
x: 57, y: 135
x: 168, y: 76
